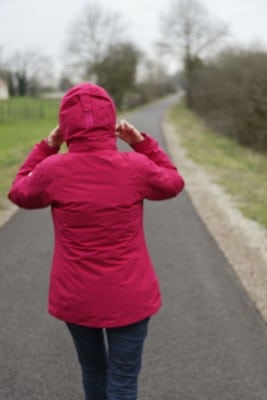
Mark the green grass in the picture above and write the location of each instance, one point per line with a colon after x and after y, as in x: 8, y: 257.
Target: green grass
x: 241, y: 171
x: 26, y: 108
x: 18, y: 133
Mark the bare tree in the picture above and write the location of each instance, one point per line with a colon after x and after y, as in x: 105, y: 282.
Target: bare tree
x: 1, y: 56
x: 5, y: 73
x: 154, y: 80
x: 29, y: 70
x: 117, y: 71
x: 91, y: 36
x: 188, y: 31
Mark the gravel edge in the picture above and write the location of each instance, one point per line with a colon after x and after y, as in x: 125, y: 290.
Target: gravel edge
x: 7, y: 213
x: 243, y: 242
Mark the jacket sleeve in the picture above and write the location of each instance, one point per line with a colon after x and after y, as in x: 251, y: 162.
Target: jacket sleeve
x: 30, y: 188
x: 158, y: 176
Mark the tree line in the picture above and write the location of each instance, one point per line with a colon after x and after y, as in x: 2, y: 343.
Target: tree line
x: 97, y: 49
x: 225, y: 85
x: 230, y: 91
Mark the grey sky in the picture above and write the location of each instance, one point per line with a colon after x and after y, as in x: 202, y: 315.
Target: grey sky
x: 44, y: 24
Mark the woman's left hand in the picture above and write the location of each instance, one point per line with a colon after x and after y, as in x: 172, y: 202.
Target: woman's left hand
x: 128, y: 133
x: 55, y: 138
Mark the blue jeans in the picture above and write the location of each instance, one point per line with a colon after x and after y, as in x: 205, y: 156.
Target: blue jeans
x: 112, y: 373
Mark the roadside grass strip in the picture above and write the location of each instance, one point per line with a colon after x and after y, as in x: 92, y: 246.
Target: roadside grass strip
x: 17, y: 136
x: 241, y: 171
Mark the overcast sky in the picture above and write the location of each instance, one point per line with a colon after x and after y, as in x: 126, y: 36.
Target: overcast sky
x: 44, y: 24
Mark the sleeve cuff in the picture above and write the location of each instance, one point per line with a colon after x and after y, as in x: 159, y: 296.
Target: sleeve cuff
x: 146, y: 145
x: 48, y: 150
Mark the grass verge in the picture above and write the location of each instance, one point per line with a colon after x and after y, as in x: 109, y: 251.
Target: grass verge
x: 241, y: 171
x: 17, y: 138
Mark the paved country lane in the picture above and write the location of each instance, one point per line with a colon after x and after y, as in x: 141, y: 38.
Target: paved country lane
x: 207, y: 343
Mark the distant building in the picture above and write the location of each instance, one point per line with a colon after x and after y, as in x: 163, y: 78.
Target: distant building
x: 3, y: 90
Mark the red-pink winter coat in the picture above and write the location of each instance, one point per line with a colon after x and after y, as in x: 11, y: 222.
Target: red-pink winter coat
x: 102, y: 274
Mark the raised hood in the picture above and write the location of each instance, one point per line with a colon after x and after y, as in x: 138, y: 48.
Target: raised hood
x: 87, y: 114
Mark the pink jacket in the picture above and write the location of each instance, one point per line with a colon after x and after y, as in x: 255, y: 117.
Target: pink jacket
x: 101, y: 275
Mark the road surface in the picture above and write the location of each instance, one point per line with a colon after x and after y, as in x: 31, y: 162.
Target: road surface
x: 207, y: 343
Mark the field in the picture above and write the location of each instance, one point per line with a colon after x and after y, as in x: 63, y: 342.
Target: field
x: 23, y: 122
x: 241, y: 171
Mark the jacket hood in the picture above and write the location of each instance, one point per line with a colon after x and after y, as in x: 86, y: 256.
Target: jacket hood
x: 87, y: 114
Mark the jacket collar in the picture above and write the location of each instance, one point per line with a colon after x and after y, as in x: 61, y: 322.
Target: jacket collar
x: 84, y: 145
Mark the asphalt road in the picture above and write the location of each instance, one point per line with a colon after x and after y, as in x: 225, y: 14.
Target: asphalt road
x: 207, y: 343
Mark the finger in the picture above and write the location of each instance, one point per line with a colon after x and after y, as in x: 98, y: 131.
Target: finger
x: 119, y: 125
x: 122, y: 125
x: 54, y: 131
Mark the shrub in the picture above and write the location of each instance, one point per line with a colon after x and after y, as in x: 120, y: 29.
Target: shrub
x: 231, y: 93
